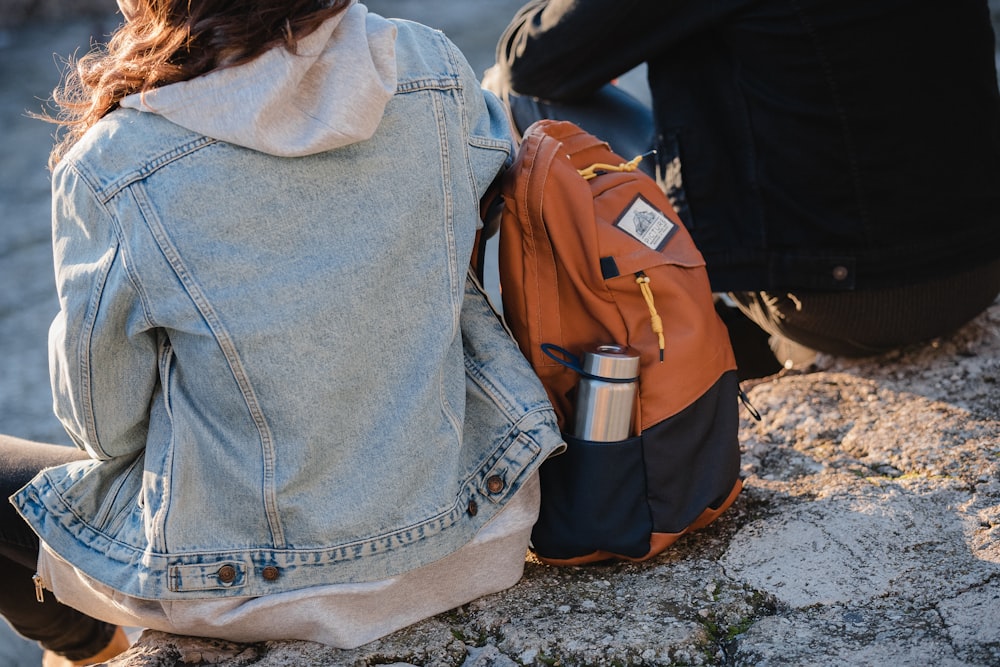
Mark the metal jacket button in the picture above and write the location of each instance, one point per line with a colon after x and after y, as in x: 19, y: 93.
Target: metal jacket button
x: 473, y: 508
x: 495, y: 484
x: 227, y: 574
x: 270, y: 573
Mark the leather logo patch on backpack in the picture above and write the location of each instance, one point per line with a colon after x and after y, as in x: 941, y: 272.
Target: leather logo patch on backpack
x: 646, y: 223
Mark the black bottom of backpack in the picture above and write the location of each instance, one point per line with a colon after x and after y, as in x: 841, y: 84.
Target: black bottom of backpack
x: 630, y: 500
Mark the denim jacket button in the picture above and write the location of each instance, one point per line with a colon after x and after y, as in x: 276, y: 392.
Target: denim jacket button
x: 270, y: 573
x: 227, y: 574
x: 473, y: 508
x: 495, y: 484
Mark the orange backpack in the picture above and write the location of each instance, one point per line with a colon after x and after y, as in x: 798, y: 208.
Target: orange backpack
x: 592, y: 253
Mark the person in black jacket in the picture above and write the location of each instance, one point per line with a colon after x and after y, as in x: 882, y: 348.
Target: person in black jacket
x: 838, y: 164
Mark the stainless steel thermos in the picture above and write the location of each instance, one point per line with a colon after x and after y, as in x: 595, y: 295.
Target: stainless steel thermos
x: 605, y: 400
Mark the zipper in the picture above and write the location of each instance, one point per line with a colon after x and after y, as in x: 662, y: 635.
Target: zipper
x: 655, y: 322
x: 39, y: 587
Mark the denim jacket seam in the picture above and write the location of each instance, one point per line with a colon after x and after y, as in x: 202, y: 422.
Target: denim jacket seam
x: 455, y: 284
x: 446, y: 409
x: 447, y: 82
x: 130, y: 273
x: 477, y: 284
x: 346, y: 551
x: 119, y: 256
x: 441, y: 81
x: 483, y: 143
x: 233, y: 360
x: 463, y: 110
x: 89, y: 324
x: 105, y: 516
x: 399, y: 537
x: 355, y: 550
x: 84, y: 351
x: 107, y: 191
x: 486, y: 142
x: 501, y: 399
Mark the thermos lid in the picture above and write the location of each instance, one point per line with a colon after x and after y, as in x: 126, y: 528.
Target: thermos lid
x: 618, y: 362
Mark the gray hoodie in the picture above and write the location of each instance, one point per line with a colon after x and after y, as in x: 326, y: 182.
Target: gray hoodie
x: 330, y: 94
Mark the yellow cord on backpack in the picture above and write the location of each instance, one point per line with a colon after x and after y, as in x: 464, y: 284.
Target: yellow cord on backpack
x: 643, y: 281
x: 598, y: 167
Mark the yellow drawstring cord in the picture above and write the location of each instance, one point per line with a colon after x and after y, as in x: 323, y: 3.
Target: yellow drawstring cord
x: 657, y: 323
x: 592, y: 171
x: 641, y: 278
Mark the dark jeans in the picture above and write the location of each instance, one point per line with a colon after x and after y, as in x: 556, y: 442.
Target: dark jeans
x: 53, y: 625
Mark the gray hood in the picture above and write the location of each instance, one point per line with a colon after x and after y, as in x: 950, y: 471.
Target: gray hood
x: 331, y: 94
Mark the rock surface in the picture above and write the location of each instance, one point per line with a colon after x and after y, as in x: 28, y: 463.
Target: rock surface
x: 868, y: 534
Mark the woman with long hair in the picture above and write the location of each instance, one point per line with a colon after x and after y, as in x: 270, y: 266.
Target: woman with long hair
x: 296, y: 415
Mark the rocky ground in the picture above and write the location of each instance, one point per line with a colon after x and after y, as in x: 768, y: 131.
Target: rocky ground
x: 868, y: 534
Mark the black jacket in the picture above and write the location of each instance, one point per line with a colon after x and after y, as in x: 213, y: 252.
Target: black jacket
x: 808, y: 144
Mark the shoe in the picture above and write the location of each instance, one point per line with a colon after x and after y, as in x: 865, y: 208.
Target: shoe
x: 754, y: 358
x: 790, y: 354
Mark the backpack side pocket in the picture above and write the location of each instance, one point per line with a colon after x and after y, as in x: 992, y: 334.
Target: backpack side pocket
x: 594, y: 503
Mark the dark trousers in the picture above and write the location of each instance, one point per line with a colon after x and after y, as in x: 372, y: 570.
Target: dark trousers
x: 867, y: 322
x: 55, y: 626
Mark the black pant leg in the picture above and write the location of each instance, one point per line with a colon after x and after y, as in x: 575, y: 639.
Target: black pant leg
x: 55, y: 626
x: 868, y: 322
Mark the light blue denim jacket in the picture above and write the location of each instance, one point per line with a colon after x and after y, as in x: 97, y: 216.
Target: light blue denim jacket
x: 278, y: 364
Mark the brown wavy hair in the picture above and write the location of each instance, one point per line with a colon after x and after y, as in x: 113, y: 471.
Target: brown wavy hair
x: 166, y: 41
